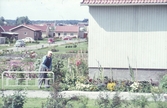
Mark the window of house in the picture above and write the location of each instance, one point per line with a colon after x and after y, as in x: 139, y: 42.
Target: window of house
x: 71, y: 34
x: 35, y: 33
x: 65, y: 33
x: 58, y: 34
x: 25, y: 33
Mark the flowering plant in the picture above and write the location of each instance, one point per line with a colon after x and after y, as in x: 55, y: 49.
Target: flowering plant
x: 111, y: 86
x: 135, y: 86
x: 81, y: 86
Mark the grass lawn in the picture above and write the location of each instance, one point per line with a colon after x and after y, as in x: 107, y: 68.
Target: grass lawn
x: 34, y: 102
x: 37, y: 103
x: 63, y: 50
x: 80, y: 46
x: 30, y: 102
x: 45, y: 40
x: 4, y: 46
x: 12, y: 85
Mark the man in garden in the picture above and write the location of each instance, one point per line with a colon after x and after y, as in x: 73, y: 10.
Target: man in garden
x: 46, y: 65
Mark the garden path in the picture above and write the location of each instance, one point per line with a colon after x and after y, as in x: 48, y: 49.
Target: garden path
x: 91, y: 95
x: 37, y: 46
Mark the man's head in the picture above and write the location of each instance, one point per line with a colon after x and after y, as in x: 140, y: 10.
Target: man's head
x: 49, y: 53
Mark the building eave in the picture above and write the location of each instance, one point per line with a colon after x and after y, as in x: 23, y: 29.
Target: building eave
x: 66, y: 31
x: 25, y: 27
x: 2, y: 28
x: 131, y: 4
x: 9, y: 33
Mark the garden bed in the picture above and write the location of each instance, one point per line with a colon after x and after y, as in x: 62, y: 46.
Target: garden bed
x: 90, y: 99
x: 91, y: 94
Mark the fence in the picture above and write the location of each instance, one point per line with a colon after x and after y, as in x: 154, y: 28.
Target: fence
x: 25, y: 76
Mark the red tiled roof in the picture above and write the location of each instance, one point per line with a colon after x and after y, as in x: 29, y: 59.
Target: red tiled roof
x: 122, y: 2
x: 31, y: 27
x: 42, y: 27
x: 7, y: 28
x: 67, y: 28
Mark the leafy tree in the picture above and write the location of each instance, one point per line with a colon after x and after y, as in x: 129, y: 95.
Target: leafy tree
x: 2, y: 21
x: 85, y: 20
x: 22, y: 20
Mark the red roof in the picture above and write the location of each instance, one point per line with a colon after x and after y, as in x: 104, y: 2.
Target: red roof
x: 31, y: 27
x: 42, y: 27
x: 122, y: 2
x: 67, y: 28
x: 7, y: 28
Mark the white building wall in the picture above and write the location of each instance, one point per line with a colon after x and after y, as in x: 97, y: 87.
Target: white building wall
x: 121, y: 32
x: 67, y: 34
x: 44, y: 34
x: 2, y: 40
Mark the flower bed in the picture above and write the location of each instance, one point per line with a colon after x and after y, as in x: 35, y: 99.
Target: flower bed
x: 71, y: 71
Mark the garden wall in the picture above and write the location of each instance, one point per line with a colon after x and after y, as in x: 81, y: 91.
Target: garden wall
x: 124, y: 74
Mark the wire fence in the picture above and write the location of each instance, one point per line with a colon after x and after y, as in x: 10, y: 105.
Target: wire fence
x: 23, y: 78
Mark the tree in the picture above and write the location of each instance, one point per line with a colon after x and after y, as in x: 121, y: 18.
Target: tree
x: 22, y: 20
x: 85, y: 20
x: 2, y: 21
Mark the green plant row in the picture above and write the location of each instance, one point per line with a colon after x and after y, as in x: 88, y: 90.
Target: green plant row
x: 19, y: 100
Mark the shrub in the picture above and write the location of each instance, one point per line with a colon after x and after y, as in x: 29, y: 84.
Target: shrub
x: 145, y: 87
x: 74, y: 46
x: 54, y: 50
x: 57, y: 68
x: 103, y: 101
x: 163, y: 83
x: 141, y: 101
x: 16, y: 100
x: 135, y: 86
x: 57, y: 101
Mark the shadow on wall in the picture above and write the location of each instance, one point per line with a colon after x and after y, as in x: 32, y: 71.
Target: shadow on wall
x: 124, y: 74
x: 130, y: 18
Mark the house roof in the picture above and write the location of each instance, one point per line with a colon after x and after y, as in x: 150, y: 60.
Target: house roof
x: 124, y: 2
x: 81, y: 24
x: 9, y: 33
x: 67, y: 28
x: 31, y: 27
x: 1, y: 29
x: 7, y: 28
x: 42, y: 27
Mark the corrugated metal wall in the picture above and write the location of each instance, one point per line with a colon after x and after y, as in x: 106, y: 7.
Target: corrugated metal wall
x: 135, y: 32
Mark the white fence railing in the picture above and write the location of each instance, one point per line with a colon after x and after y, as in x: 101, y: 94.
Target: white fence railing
x: 27, y: 76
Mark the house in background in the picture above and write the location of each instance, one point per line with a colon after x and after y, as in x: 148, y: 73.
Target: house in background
x: 67, y: 30
x: 83, y: 29
x: 2, y: 39
x: 43, y: 28
x: 1, y: 30
x: 7, y: 28
x: 5, y: 34
x: 27, y: 31
x: 123, y: 32
x: 48, y: 30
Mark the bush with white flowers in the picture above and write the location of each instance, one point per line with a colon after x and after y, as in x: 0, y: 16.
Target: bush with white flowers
x: 135, y: 86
